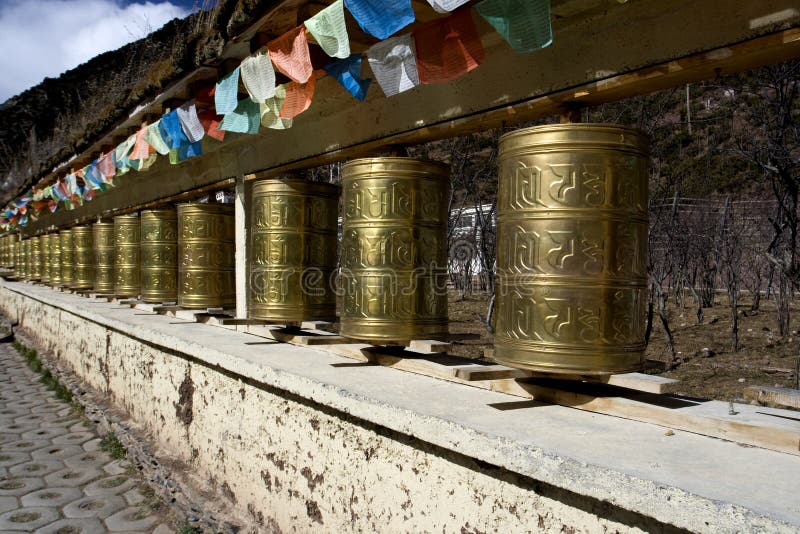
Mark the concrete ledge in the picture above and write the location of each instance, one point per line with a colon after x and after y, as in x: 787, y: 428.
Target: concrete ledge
x: 296, y: 438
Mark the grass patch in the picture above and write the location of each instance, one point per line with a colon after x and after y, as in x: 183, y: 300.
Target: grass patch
x: 47, y: 378
x: 186, y: 528
x: 113, y: 446
x: 151, y: 504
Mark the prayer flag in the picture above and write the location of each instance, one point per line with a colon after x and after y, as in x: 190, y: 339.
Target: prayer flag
x: 298, y: 98
x: 154, y: 139
x: 190, y: 123
x: 271, y: 109
x: 258, y: 76
x: 394, y: 64
x: 448, y: 48
x: 291, y: 56
x: 348, y: 73
x: 446, y: 6
x: 330, y: 30
x: 226, y: 93
x: 381, y: 18
x: 244, y: 119
x: 524, y: 24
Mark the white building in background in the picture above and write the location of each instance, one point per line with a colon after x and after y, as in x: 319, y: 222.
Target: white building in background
x: 465, y: 249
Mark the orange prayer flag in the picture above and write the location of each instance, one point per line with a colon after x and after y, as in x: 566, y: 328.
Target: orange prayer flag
x: 298, y: 97
x: 141, y: 149
x: 448, y: 48
x: 291, y: 56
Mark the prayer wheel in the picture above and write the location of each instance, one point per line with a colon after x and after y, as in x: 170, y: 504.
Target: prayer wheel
x: 83, y: 258
x: 25, y: 258
x: 5, y: 248
x: 55, y: 260
x: 206, y: 256
x: 44, y: 242
x: 160, y: 255
x: 103, y: 244
x: 36, y: 259
x: 13, y: 252
x: 572, y: 249
x: 293, y: 231
x: 67, y: 257
x: 126, y: 260
x: 393, y: 265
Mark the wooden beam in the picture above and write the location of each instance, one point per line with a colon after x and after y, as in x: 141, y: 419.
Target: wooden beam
x: 770, y: 396
x: 638, y: 52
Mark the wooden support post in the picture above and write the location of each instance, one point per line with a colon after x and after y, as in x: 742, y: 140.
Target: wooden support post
x: 240, y: 241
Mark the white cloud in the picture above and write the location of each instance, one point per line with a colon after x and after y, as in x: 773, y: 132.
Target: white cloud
x: 44, y: 38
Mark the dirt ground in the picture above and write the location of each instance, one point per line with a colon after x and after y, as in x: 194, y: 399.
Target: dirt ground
x: 761, y: 358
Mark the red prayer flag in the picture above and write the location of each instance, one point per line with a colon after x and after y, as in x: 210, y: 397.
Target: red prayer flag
x: 448, y: 48
x: 210, y: 122
x: 291, y: 56
x: 106, y: 165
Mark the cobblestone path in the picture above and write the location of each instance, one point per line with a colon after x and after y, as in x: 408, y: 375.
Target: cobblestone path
x: 54, y: 476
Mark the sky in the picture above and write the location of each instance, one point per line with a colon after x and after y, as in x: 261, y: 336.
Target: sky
x: 44, y: 38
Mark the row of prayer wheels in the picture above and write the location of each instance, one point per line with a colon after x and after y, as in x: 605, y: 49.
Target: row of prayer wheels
x: 138, y: 255
x: 571, y: 251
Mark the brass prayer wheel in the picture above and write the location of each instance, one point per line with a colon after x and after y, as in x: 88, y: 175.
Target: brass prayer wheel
x: 25, y: 258
x: 103, y: 245
x: 206, y: 256
x: 83, y: 258
x: 36, y: 259
x: 44, y: 243
x: 55, y: 260
x: 160, y: 255
x: 6, y: 247
x: 293, y: 229
x: 127, y: 232
x: 67, y: 257
x: 572, y: 249
x: 393, y: 266
x: 13, y: 251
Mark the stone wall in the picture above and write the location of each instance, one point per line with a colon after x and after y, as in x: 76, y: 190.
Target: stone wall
x: 283, y: 460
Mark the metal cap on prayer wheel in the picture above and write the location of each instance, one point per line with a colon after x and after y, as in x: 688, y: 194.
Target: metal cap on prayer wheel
x: 35, y: 271
x: 205, y: 256
x: 103, y: 247
x: 159, y: 255
x: 44, y: 242
x: 126, y: 260
x: 67, y: 257
x: 83, y: 258
x: 293, y: 229
x: 393, y: 262
x: 572, y: 249
x: 55, y: 260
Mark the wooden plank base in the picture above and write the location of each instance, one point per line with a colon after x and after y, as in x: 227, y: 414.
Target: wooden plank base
x: 631, y: 395
x: 770, y: 396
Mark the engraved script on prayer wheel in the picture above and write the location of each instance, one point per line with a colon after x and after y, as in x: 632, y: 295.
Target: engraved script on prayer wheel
x: 36, y: 259
x: 393, y: 262
x: 55, y: 260
x: 160, y: 255
x: 293, y: 229
x: 126, y: 258
x: 205, y: 256
x: 13, y: 251
x: 83, y: 258
x: 44, y: 243
x: 67, y: 257
x: 25, y: 258
x: 103, y: 245
x: 572, y: 249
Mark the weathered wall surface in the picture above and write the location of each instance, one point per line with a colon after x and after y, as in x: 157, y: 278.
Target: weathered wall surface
x: 289, y: 465
x: 280, y: 461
